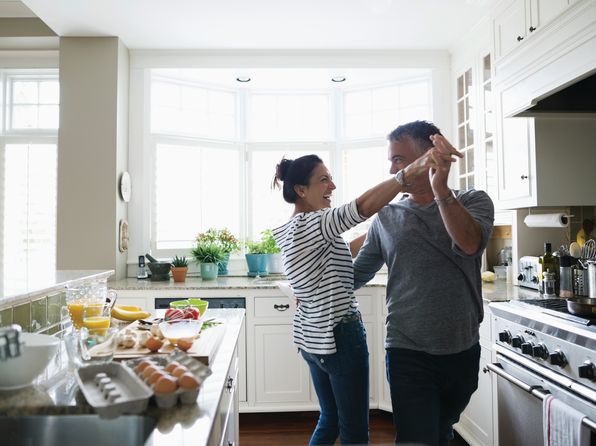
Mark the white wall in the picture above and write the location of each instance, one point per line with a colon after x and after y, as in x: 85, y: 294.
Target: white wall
x: 92, y: 150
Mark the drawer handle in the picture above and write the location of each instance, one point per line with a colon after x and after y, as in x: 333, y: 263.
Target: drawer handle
x: 524, y: 177
x: 283, y: 307
x: 230, y: 384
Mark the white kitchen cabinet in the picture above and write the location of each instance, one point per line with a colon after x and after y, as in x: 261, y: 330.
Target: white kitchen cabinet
x: 546, y: 162
x: 517, y: 20
x: 476, y: 424
x: 281, y: 375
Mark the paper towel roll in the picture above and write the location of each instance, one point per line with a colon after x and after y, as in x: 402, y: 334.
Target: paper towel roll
x: 559, y: 220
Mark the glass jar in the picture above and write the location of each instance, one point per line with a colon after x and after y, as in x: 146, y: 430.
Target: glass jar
x: 549, y: 284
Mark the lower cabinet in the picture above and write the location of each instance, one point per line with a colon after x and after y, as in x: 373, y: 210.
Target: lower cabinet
x: 281, y: 375
x: 225, y: 430
x: 476, y: 424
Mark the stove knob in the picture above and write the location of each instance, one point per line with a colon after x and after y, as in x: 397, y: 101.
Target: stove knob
x: 527, y: 348
x: 517, y: 341
x: 586, y: 370
x: 505, y: 336
x: 558, y: 358
x: 540, y: 351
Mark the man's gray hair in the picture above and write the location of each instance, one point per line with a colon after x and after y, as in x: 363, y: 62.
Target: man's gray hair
x: 418, y: 132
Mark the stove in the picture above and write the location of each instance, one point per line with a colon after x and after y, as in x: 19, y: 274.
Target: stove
x: 541, y: 349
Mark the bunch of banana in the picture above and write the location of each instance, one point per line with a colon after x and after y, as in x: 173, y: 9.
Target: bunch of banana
x: 129, y: 313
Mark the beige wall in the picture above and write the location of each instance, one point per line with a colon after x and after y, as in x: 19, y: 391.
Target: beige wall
x: 92, y: 152
x: 24, y: 27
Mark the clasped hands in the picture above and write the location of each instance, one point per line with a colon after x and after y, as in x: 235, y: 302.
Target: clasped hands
x: 436, y: 163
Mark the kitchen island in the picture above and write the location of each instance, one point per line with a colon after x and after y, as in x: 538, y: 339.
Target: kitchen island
x: 211, y: 421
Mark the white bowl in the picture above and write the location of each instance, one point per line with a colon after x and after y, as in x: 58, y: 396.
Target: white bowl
x: 182, y: 328
x: 36, y: 352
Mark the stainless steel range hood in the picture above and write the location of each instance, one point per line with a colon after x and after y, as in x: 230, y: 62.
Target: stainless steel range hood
x: 577, y: 97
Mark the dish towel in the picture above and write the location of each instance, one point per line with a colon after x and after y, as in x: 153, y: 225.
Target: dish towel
x: 562, y: 424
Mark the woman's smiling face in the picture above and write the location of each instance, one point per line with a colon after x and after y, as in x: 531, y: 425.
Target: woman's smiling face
x: 317, y: 195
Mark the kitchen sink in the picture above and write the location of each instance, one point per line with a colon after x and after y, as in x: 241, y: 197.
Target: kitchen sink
x: 67, y: 430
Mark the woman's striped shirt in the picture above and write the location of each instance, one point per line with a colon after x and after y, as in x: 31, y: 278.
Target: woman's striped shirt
x: 319, y: 267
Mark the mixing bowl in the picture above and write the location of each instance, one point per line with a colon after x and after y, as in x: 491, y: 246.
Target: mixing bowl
x: 36, y: 352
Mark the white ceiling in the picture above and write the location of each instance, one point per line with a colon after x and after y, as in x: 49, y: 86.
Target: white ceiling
x: 264, y: 24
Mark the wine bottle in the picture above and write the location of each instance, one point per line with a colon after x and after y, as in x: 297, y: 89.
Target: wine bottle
x: 549, y: 262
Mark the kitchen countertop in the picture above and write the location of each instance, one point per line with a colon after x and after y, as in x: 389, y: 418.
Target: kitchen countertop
x: 15, y: 290
x: 181, y: 425
x: 222, y: 282
x: 495, y: 291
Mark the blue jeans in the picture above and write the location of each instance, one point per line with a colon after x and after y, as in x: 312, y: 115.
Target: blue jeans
x: 429, y: 392
x: 341, y: 383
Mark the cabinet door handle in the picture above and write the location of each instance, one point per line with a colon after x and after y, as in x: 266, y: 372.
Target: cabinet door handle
x: 520, y: 38
x: 524, y: 177
x: 281, y: 307
x: 532, y: 29
x: 230, y: 385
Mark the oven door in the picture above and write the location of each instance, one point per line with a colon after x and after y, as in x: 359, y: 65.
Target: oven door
x: 520, y: 392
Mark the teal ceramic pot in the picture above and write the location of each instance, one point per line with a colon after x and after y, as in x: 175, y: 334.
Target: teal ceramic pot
x: 222, y: 267
x: 257, y: 264
x: 208, y: 271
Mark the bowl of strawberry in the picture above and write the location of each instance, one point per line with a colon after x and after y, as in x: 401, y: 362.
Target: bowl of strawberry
x: 177, y: 314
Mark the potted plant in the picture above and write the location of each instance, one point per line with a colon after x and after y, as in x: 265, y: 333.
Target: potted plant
x: 225, y: 240
x: 208, y: 255
x: 256, y: 259
x: 179, y: 268
x: 274, y: 264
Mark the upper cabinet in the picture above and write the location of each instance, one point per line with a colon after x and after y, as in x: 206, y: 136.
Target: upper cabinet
x: 519, y: 19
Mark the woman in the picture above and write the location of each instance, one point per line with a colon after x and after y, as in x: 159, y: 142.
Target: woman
x: 328, y: 329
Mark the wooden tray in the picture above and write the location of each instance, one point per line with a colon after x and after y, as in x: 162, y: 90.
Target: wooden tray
x: 203, y: 348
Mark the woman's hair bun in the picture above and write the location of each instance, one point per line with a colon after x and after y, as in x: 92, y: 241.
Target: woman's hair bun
x: 282, y: 169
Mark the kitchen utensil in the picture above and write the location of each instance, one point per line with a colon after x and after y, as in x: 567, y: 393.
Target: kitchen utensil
x: 580, y: 279
x: 591, y: 278
x: 575, y: 250
x: 159, y: 270
x: 582, y: 306
x: 589, y: 250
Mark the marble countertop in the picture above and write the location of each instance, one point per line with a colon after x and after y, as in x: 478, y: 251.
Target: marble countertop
x: 495, y: 291
x: 15, y: 290
x: 222, y: 282
x: 181, y: 425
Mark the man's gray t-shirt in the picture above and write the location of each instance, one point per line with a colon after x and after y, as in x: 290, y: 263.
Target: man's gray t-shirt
x: 434, y: 292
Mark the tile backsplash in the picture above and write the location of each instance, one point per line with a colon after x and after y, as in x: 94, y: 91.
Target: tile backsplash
x: 41, y: 315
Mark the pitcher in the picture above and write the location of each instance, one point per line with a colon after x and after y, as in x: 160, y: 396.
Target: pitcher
x: 87, y: 293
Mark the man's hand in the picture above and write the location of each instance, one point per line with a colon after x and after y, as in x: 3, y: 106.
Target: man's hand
x: 442, y: 154
x: 435, y: 163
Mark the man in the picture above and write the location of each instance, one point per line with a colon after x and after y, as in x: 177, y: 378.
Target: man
x: 432, y: 240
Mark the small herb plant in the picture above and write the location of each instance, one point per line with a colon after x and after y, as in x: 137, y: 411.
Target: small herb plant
x: 268, y: 242
x: 179, y: 262
x: 256, y: 248
x: 207, y: 252
x: 223, y: 238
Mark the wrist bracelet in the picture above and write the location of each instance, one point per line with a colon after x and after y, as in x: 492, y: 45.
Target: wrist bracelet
x: 445, y: 201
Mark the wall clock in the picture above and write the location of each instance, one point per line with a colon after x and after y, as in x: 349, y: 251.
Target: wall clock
x: 125, y: 186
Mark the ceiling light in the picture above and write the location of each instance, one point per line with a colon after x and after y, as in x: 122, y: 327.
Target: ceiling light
x: 338, y: 79
x: 243, y: 79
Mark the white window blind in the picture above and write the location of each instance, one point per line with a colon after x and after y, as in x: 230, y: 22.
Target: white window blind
x: 29, y: 223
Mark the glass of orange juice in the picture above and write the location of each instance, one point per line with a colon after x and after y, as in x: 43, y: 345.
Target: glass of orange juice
x: 96, y: 315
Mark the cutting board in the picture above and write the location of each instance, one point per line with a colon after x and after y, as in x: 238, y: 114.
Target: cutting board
x: 203, y: 348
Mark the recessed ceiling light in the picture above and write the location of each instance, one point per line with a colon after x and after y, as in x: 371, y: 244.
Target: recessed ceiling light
x: 243, y: 79
x: 338, y: 79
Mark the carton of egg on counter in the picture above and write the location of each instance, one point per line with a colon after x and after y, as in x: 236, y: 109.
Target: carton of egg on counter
x: 112, y: 389
x: 172, y: 378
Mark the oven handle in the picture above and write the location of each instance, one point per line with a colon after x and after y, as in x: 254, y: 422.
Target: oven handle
x: 537, y: 391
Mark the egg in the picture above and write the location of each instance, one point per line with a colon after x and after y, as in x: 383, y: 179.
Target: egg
x: 171, y: 366
x: 149, y: 371
x: 153, y: 344
x: 154, y: 377
x: 165, y: 384
x: 184, y: 344
x: 142, y: 365
x: 188, y: 381
x: 179, y: 371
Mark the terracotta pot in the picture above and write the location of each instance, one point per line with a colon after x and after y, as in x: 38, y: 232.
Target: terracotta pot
x: 179, y: 273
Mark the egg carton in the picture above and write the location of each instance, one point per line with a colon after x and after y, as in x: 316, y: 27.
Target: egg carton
x: 184, y: 396
x: 112, y: 389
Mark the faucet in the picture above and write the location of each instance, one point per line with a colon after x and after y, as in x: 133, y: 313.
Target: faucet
x: 10, y: 346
